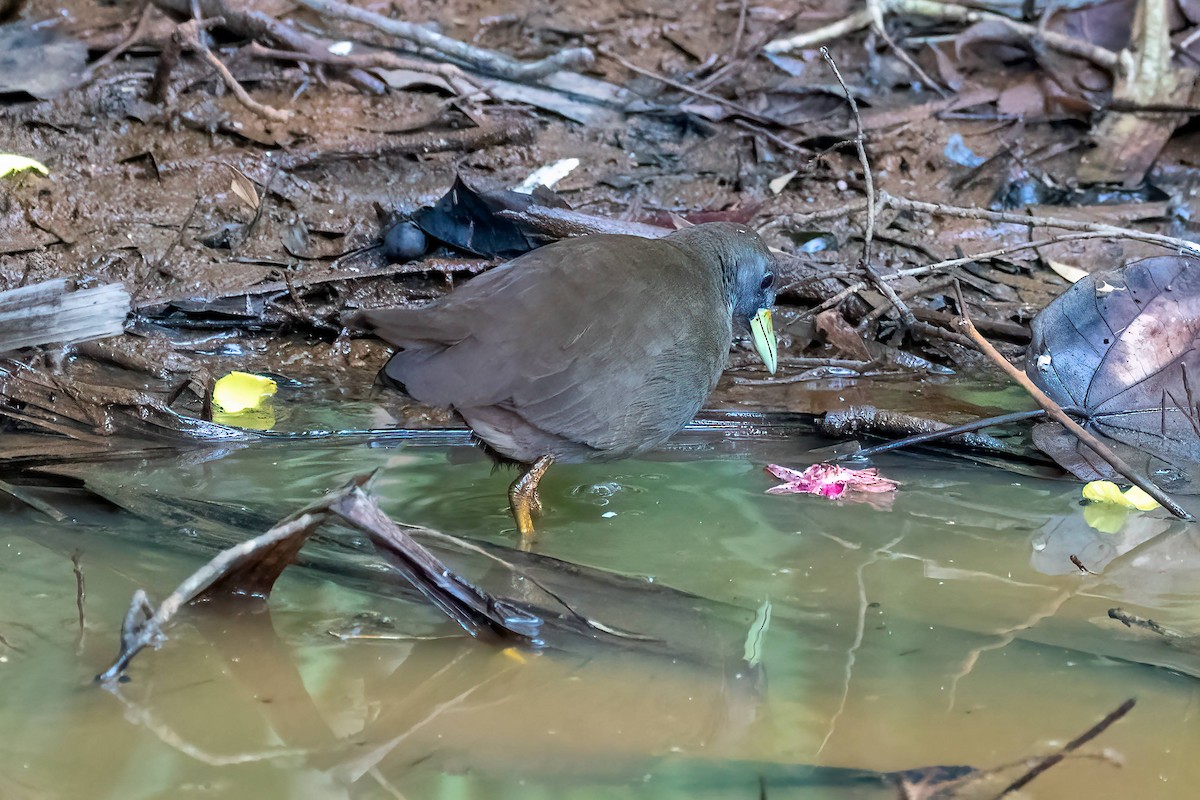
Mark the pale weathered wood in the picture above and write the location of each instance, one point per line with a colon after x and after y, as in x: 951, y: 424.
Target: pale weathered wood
x: 47, y: 313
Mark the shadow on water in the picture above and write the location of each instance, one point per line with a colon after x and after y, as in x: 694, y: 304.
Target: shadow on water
x: 953, y: 629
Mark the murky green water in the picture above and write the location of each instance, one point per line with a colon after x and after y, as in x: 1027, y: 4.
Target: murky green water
x: 950, y: 630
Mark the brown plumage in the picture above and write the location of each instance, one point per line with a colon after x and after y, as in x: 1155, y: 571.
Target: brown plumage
x: 593, y: 348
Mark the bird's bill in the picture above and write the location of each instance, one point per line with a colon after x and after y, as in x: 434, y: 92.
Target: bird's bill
x: 763, y: 332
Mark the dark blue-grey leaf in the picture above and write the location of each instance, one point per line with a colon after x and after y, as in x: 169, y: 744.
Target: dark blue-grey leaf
x: 1122, y: 348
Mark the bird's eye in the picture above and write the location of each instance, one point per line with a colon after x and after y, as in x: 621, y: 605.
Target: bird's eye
x: 767, y: 281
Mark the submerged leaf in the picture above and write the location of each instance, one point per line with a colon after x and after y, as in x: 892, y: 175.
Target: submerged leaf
x: 256, y: 419
x: 1121, y: 350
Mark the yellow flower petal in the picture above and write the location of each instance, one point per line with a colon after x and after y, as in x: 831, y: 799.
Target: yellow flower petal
x: 1104, y: 492
x: 515, y: 654
x: 258, y: 419
x: 1109, y: 492
x: 1105, y: 517
x: 10, y: 162
x: 1136, y: 496
x: 241, y: 391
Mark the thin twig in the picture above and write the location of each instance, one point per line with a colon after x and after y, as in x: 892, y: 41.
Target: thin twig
x: 190, y: 38
x: 486, y: 60
x: 872, y: 17
x: 940, y: 209
x: 854, y: 22
x: 741, y: 29
x: 683, y: 87
x: 938, y: 266
x: 835, y: 300
x: 876, y: 9
x: 940, y: 433
x: 906, y: 316
x: 1058, y: 415
x: 135, y: 36
x: 162, y: 265
x: 254, y: 25
x: 766, y: 134
x: 457, y: 79
x: 868, y: 179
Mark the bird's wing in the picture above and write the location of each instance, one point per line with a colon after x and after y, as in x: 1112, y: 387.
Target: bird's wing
x: 574, y: 341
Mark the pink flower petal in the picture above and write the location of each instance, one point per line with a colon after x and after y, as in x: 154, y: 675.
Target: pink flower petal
x: 829, y: 480
x: 785, y: 473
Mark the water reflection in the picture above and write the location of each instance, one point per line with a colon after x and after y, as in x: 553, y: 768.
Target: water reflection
x: 952, y: 630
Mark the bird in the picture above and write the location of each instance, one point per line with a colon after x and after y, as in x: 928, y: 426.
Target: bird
x: 592, y: 348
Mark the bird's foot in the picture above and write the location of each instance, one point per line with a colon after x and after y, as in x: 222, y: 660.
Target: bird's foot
x: 524, y: 500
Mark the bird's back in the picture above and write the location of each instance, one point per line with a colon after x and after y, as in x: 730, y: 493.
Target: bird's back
x: 572, y: 350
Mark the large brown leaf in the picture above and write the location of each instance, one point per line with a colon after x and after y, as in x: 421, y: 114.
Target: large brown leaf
x: 1122, y: 348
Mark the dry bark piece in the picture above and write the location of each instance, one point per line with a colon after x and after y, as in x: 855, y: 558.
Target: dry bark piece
x: 39, y: 61
x: 46, y: 313
x: 1122, y: 349
x: 1127, y: 139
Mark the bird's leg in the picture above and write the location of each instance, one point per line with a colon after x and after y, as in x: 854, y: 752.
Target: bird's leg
x: 523, y: 496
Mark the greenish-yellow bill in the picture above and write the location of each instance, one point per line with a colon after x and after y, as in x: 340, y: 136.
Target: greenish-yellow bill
x: 763, y: 331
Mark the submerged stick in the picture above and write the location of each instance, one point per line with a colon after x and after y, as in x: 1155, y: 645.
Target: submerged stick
x: 1049, y: 761
x: 144, y: 624
x: 251, y: 568
x: 80, y: 591
x: 942, y: 433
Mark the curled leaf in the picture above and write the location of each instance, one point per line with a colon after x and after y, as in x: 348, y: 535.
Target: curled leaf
x: 547, y: 175
x: 244, y: 188
x: 1066, y: 271
x: 779, y: 184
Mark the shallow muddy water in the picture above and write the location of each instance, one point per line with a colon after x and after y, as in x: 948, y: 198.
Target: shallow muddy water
x: 949, y: 631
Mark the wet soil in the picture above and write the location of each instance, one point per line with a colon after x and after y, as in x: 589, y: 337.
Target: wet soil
x: 140, y: 192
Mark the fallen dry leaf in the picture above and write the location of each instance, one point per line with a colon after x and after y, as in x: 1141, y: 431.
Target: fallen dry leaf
x: 1120, y: 349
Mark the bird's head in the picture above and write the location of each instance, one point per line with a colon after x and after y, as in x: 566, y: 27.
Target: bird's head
x: 748, y: 274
